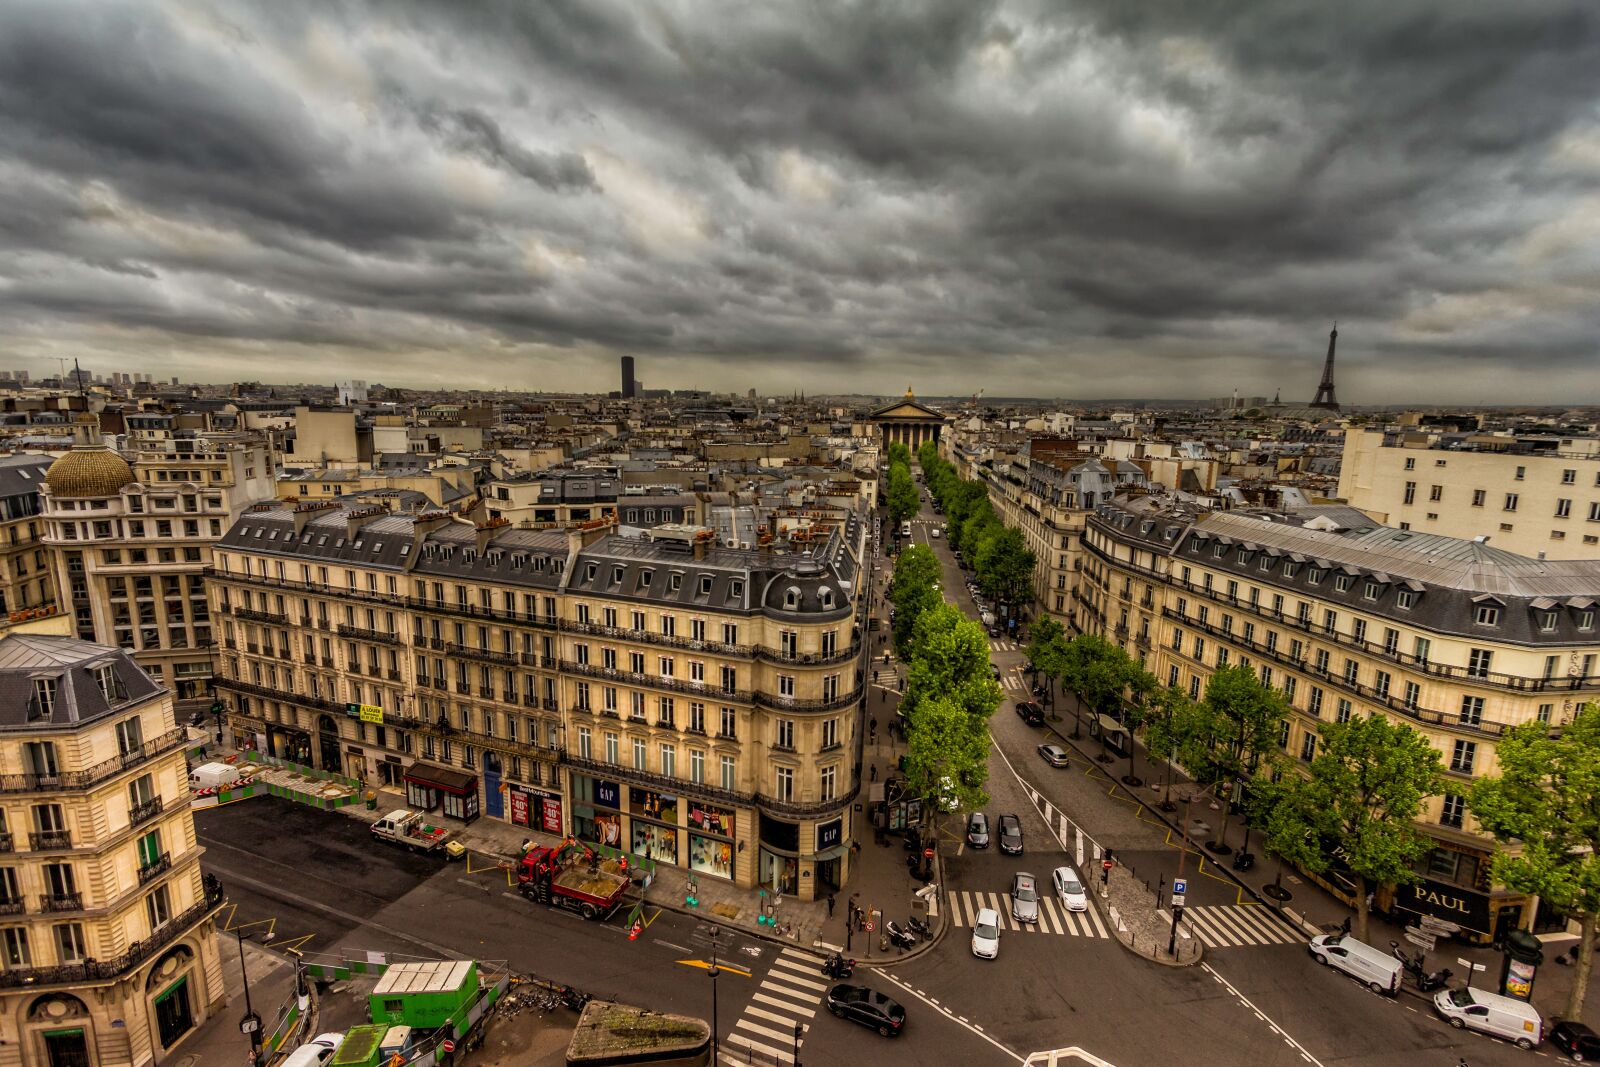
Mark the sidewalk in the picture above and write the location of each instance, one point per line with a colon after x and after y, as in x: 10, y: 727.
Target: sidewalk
x: 1305, y: 905
x: 271, y: 983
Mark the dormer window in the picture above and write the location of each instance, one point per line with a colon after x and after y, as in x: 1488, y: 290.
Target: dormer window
x: 1486, y: 615
x: 1341, y: 584
x: 1314, y: 575
x: 1547, y: 621
x: 1266, y: 563
x: 44, y: 696
x: 1221, y: 550
x: 1372, y: 591
x: 736, y: 589
x: 644, y: 578
x: 1290, y: 569
x: 827, y: 598
x: 705, y: 585
x: 674, y: 582
x: 791, y: 599
x: 590, y: 571
x: 1406, y: 599
x: 616, y: 575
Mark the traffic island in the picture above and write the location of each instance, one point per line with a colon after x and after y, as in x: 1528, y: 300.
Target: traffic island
x: 1131, y: 912
x: 611, y: 1033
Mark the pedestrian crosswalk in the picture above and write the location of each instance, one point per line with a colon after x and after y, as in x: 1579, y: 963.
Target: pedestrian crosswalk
x: 1013, y: 681
x: 1233, y: 926
x: 1002, y: 645
x: 1053, y: 917
x: 775, y: 1022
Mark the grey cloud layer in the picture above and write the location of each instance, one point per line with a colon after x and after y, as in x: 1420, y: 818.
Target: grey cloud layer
x: 1074, y: 200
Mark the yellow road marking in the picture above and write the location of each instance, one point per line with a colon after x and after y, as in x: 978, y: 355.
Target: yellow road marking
x: 704, y: 966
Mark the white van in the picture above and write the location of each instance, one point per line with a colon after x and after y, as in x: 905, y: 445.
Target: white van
x: 213, y: 776
x: 314, y: 1053
x: 1378, y: 971
x: 1504, y: 1017
x: 905, y: 529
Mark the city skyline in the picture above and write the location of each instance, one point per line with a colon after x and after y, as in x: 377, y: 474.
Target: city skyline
x: 1082, y: 204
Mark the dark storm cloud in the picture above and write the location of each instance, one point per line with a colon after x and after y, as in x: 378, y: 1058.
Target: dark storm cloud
x: 1096, y: 198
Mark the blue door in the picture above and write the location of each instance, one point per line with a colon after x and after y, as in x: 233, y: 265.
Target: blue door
x: 493, y: 800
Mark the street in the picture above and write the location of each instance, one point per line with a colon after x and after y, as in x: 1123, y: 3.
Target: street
x: 1257, y: 998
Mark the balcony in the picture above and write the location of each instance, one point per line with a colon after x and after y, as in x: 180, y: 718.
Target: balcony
x: 50, y: 840
x: 106, y: 970
x: 487, y: 655
x: 144, y: 812
x: 781, y: 703
x: 13, y: 907
x: 361, y: 633
x: 155, y: 868
x: 6, y: 844
x: 651, y: 681
x: 49, y: 783
x: 715, y: 648
x: 796, y: 809
x: 277, y: 618
x: 61, y: 902
x: 809, y: 659
x: 303, y: 699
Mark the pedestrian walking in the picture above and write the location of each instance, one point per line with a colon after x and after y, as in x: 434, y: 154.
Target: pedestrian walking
x: 830, y: 905
x: 874, y: 772
x: 872, y: 725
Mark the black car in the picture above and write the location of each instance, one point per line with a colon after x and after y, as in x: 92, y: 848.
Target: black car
x: 1576, y: 1040
x: 1031, y: 712
x: 867, y: 1007
x: 1011, y: 835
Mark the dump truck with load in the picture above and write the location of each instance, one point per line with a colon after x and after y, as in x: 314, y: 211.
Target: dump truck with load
x: 573, y: 877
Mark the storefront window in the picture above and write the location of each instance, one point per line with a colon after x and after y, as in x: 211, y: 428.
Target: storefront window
x: 709, y: 856
x: 602, y: 827
x: 655, y: 842
x: 653, y: 805
x: 779, y: 874
x: 710, y: 820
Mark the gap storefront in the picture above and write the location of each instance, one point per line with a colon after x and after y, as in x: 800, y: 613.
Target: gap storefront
x: 663, y: 827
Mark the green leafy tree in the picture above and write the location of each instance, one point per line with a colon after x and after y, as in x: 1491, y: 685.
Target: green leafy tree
x: 1142, y: 689
x: 913, y: 589
x: 1099, y: 673
x: 903, y: 499
x: 1237, y: 726
x: 950, y: 695
x: 1047, y: 651
x: 1168, y: 712
x: 1288, y: 825
x: 1363, y: 793
x: 1546, y: 799
x: 1005, y: 567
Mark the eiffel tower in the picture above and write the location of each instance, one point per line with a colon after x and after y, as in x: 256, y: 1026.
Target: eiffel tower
x: 1325, y: 397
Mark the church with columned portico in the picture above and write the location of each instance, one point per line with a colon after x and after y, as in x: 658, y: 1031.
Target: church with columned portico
x: 907, y: 422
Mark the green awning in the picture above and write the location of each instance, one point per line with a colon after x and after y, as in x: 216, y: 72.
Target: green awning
x: 171, y: 989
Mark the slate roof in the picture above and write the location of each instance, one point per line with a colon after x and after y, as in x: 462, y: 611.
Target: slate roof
x: 25, y: 657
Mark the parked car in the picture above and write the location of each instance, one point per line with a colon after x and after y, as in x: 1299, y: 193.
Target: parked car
x: 995, y: 668
x: 1054, y: 755
x: 1377, y: 970
x: 978, y: 830
x: 986, y: 934
x: 316, y: 1052
x: 1069, y: 887
x: 1011, y: 835
x: 1507, y: 1018
x: 1031, y: 712
x: 867, y: 1007
x: 1576, y: 1040
x: 1024, y: 898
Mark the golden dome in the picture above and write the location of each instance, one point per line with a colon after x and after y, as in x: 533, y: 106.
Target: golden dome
x: 90, y: 471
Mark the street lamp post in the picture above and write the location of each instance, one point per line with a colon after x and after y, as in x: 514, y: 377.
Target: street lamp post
x: 796, y: 1045
x: 250, y: 1025
x: 712, y: 972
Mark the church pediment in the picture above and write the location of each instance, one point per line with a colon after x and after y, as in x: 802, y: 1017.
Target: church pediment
x: 906, y: 409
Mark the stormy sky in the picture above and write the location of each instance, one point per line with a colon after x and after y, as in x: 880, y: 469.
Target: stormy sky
x: 1075, y: 199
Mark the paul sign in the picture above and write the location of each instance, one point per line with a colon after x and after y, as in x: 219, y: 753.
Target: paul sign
x: 1468, y: 909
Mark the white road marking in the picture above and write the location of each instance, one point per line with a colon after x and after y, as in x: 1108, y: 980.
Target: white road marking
x: 1307, y: 1056
x: 948, y: 1014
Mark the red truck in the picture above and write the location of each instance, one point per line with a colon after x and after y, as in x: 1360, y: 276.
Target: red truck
x: 573, y: 877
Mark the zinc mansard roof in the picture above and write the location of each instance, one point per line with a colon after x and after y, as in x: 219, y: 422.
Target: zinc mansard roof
x: 78, y: 698
x: 1431, y: 559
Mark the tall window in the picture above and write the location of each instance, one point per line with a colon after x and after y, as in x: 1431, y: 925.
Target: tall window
x: 785, y: 733
x: 830, y: 733
x: 730, y: 778
x: 729, y: 724
x: 669, y: 760
x: 585, y: 743
x: 612, y: 743
x: 1471, y: 711
x: 697, y: 766
x: 640, y: 759
x: 783, y: 783
x: 1453, y: 811
x: 1463, y: 755
x: 70, y: 944
x: 14, y: 943
x: 828, y: 783
x: 158, y: 907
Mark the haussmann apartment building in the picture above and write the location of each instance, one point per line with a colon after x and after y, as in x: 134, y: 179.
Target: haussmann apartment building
x: 697, y: 705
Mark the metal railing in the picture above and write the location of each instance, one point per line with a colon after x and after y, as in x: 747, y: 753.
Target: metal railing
x: 255, y: 615
x: 361, y: 633
x: 155, y: 868
x: 89, y: 776
x: 50, y: 840
x: 148, y: 810
x: 105, y: 970
x: 488, y: 655
x: 51, y: 902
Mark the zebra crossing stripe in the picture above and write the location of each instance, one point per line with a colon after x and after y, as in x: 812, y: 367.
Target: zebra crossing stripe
x: 796, y: 980
x: 1048, y: 917
x: 1233, y: 923
x: 775, y: 1053
x: 809, y: 1013
x: 765, y: 1031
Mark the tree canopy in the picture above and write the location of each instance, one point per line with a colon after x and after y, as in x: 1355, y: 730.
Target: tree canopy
x: 1546, y: 801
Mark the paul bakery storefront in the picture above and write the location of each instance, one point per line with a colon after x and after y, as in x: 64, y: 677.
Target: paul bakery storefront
x: 454, y: 793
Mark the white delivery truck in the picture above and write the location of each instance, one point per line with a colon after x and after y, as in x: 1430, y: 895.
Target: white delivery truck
x: 1507, y: 1018
x: 213, y: 776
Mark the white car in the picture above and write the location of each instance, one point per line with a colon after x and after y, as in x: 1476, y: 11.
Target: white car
x: 986, y: 934
x: 1069, y: 887
x: 934, y: 532
x: 316, y: 1052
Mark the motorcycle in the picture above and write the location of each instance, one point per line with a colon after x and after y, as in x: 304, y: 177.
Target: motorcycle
x: 838, y: 968
x: 1434, y: 980
x: 899, y: 938
x: 918, y: 927
x: 574, y: 999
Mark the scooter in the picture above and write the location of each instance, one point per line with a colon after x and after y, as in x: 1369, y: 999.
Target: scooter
x: 1412, y: 964
x: 1434, y: 980
x: 838, y: 968
x: 918, y: 927
x: 900, y: 939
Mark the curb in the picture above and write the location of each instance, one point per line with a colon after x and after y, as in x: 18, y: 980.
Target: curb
x: 1297, y: 924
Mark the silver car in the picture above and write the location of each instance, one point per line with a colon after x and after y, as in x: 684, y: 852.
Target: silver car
x: 1024, y: 898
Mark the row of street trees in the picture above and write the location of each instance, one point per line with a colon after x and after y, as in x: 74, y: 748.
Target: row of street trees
x: 901, y: 495
x: 999, y: 555
x: 950, y: 692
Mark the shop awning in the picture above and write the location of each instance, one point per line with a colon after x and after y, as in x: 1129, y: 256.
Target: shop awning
x: 1111, y: 726
x: 446, y: 778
